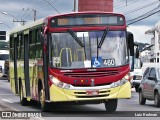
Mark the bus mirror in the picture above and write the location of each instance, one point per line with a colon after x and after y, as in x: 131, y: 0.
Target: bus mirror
x: 130, y: 43
x: 137, y: 53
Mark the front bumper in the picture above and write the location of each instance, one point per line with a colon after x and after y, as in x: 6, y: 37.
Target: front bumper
x: 79, y: 93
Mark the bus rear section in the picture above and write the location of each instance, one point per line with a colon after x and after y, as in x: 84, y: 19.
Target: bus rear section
x: 4, y: 57
x: 84, y: 59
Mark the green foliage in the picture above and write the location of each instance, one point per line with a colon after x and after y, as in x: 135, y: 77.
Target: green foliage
x: 4, y: 45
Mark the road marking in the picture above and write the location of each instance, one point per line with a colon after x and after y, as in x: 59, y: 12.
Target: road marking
x: 7, y: 94
x: 9, y: 100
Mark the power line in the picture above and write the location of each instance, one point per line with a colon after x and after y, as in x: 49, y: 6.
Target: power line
x: 30, y: 11
x: 43, y: 5
x: 128, y: 3
x: 146, y: 15
x: 143, y: 18
x: 141, y: 7
x: 143, y: 15
x: 52, y: 6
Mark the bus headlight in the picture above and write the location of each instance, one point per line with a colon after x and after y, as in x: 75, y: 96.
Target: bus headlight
x: 58, y: 83
x: 120, y: 82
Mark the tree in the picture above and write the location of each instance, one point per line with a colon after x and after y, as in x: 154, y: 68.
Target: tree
x: 4, y: 45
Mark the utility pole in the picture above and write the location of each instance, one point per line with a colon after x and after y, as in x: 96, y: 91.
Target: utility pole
x: 35, y: 12
x: 20, y: 21
x: 74, y: 6
x: 31, y: 10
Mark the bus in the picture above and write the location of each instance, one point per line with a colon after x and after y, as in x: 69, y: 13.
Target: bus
x: 4, y: 56
x: 76, y: 58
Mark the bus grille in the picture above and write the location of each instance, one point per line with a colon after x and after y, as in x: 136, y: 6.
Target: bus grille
x: 92, y: 73
x: 83, y: 94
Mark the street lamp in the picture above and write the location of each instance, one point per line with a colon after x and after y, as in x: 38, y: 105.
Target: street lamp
x: 5, y: 13
x: 6, y: 25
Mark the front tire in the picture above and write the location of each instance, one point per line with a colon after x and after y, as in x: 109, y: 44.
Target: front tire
x: 111, y: 105
x: 156, y: 100
x: 142, y: 100
x: 44, y: 105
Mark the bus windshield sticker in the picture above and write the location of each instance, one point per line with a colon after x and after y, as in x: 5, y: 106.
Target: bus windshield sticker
x: 87, y: 63
x: 96, y: 61
x: 56, y: 60
x: 109, y: 62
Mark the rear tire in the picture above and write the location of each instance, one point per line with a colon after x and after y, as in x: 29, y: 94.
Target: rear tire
x: 23, y: 100
x: 142, y: 100
x: 157, y: 100
x: 111, y: 105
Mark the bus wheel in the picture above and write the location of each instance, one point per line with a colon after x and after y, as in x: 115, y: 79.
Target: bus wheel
x: 43, y: 104
x: 23, y: 100
x: 111, y: 105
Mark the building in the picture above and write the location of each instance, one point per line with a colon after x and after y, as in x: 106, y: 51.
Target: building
x: 95, y: 5
x: 155, y: 41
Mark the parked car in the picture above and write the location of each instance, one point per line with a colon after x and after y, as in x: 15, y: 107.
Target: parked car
x: 6, y: 69
x: 4, y: 56
x: 150, y: 86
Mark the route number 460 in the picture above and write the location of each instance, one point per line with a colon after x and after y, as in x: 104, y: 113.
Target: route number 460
x: 109, y: 62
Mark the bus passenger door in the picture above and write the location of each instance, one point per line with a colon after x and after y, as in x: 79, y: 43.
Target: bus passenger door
x: 13, y: 64
x: 26, y: 65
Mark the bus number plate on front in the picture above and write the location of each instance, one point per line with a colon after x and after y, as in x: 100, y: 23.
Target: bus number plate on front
x: 92, y: 92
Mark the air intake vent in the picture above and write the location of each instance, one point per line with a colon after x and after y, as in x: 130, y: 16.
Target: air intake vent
x: 92, y: 73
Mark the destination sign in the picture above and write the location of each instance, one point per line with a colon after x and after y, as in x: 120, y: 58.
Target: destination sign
x: 87, y: 20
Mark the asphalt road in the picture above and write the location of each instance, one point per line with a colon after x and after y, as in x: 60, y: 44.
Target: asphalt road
x: 63, y: 112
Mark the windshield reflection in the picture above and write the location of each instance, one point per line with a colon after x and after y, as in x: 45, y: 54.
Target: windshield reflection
x: 67, y: 53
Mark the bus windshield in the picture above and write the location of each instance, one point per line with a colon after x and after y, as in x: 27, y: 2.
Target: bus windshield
x: 4, y: 57
x: 66, y: 52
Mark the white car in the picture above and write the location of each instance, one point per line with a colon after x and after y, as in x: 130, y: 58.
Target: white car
x: 4, y: 55
x: 136, y: 79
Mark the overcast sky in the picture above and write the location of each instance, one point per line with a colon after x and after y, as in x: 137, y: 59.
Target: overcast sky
x: 23, y: 9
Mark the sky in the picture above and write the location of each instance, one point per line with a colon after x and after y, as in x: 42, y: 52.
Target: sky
x: 23, y: 10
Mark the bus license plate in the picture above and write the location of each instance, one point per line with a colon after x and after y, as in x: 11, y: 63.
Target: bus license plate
x: 92, y: 92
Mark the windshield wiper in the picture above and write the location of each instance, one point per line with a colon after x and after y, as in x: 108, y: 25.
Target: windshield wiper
x: 103, y: 37
x: 76, y: 38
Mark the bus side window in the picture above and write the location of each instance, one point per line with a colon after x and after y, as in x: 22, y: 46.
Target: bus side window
x: 11, y: 48
x: 31, y: 45
x: 38, y: 51
x: 22, y: 47
x: 38, y: 44
x: 19, y: 46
